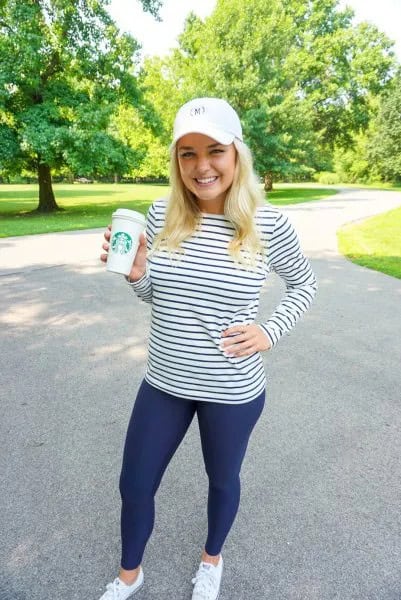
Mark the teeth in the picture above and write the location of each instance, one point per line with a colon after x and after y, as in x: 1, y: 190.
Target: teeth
x: 206, y: 180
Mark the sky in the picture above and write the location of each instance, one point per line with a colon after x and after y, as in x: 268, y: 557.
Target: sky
x: 158, y: 38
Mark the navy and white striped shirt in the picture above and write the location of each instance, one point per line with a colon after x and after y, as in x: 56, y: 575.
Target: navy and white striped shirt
x: 202, y: 292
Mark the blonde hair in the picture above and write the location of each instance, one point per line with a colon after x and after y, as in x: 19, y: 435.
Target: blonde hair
x: 244, y: 196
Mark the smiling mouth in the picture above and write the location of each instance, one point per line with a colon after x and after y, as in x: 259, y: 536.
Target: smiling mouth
x: 206, y: 180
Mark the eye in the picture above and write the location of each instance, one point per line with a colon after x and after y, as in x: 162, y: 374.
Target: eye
x: 217, y: 151
x: 186, y: 154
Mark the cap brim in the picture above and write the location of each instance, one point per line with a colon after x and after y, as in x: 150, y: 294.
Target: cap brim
x: 222, y: 137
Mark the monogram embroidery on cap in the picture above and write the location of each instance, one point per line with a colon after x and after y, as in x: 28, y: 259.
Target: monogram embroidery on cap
x: 197, y: 111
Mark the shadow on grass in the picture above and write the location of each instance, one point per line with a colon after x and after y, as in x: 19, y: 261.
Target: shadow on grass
x: 67, y: 219
x: 33, y: 194
x: 80, y: 209
x: 287, y: 196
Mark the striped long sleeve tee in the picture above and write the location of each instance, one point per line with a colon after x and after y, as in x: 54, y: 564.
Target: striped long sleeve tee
x: 200, y: 292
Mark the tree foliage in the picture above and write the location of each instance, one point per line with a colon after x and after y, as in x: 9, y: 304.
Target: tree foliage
x: 304, y: 79
x: 298, y: 72
x: 374, y: 153
x: 384, y: 148
x: 64, y: 68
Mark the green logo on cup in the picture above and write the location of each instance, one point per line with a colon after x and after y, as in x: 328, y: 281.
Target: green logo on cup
x: 121, y: 243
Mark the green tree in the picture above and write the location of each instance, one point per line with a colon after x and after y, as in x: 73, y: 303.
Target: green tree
x: 137, y: 134
x: 298, y: 72
x: 64, y: 67
x: 338, y: 66
x: 384, y: 148
x: 351, y: 163
x: 148, y: 131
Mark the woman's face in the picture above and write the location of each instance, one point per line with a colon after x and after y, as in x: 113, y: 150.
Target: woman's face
x: 207, y: 169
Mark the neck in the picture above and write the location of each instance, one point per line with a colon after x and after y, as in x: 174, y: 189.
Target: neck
x: 213, y: 208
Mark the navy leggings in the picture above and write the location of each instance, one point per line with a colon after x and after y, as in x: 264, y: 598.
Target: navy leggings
x: 158, y: 424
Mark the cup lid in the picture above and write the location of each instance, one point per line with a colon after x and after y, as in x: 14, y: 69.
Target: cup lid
x: 129, y: 214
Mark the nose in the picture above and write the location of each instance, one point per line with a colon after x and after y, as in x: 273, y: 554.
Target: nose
x: 202, y: 164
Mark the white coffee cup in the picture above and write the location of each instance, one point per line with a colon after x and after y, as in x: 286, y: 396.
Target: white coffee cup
x: 126, y: 227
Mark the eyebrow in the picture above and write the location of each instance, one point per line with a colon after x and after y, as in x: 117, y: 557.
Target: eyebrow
x: 191, y: 147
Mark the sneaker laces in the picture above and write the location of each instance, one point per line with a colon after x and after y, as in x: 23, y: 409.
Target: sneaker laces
x: 113, y: 590
x: 205, y: 582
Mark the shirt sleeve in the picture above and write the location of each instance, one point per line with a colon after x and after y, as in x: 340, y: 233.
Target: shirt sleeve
x: 286, y: 259
x: 143, y: 287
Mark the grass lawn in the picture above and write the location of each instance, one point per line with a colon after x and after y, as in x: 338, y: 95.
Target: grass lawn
x: 284, y: 195
x: 374, y: 243
x: 88, y: 206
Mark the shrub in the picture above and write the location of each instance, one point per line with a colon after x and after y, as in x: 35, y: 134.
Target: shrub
x: 328, y: 178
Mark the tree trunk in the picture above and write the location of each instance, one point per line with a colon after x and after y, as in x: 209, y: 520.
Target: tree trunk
x: 116, y: 178
x: 47, y: 201
x: 268, y: 181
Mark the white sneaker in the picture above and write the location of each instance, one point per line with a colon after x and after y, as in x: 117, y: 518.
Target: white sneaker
x: 118, y: 590
x: 207, y: 581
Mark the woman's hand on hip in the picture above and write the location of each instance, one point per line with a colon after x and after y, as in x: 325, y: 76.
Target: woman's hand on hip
x: 138, y: 269
x: 244, y: 340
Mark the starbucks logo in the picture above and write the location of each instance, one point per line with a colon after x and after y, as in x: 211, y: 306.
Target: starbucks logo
x: 121, y: 243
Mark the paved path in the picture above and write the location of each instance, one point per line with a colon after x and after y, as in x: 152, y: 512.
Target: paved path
x: 319, y: 518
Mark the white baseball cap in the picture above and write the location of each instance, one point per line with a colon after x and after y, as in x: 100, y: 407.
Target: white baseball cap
x: 213, y: 117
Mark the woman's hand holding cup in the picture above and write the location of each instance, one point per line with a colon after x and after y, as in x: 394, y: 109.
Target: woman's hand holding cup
x: 138, y: 269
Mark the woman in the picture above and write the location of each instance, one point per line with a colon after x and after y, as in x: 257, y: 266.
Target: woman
x: 207, y: 253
